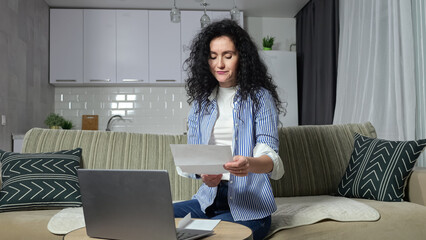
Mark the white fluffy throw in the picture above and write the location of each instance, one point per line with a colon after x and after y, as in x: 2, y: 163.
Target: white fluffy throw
x: 298, y: 211
x: 67, y: 220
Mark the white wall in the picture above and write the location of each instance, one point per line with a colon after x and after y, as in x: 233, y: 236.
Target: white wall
x: 283, y: 29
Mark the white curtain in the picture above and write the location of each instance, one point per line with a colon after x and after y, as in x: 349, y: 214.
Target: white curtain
x: 376, y: 76
x: 419, y: 30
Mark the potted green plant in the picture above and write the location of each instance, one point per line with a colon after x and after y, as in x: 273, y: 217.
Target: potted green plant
x: 66, y: 124
x: 55, y: 121
x: 268, y: 42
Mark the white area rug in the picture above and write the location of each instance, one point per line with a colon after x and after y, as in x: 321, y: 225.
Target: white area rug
x: 292, y: 212
x: 299, y: 211
x: 67, y: 220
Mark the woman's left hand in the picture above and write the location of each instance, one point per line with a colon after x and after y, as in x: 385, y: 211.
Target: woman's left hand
x: 239, y: 166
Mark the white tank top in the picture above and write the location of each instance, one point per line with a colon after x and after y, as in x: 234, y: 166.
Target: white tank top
x: 223, y: 130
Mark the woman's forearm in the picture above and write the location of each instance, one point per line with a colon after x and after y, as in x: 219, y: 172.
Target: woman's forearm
x: 241, y: 165
x: 262, y: 164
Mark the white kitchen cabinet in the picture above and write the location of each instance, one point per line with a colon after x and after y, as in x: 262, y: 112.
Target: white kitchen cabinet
x: 164, y: 48
x: 132, y: 46
x: 99, y: 46
x: 108, y: 46
x: 190, y: 27
x: 66, y: 46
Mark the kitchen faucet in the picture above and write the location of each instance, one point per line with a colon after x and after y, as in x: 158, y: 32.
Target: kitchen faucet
x: 110, y: 120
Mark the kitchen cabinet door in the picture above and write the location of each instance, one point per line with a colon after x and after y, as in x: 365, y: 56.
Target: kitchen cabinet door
x: 132, y: 46
x: 190, y: 27
x: 66, y: 46
x: 164, y: 48
x: 99, y: 46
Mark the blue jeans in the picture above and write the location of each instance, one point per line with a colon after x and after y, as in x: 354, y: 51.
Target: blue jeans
x: 220, y: 210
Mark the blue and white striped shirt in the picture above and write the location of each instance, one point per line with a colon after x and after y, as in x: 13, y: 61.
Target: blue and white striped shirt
x: 249, y: 197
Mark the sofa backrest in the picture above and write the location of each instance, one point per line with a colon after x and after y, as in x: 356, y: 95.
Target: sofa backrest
x: 116, y: 150
x: 315, y: 157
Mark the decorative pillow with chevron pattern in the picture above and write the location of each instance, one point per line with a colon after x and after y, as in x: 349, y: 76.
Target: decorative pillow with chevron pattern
x: 378, y: 169
x: 39, y: 180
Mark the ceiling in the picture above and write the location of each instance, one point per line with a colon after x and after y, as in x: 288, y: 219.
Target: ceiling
x: 251, y: 8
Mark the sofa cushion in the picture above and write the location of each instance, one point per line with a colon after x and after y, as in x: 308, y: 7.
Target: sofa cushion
x: 378, y: 169
x: 44, y: 180
x: 398, y: 220
x: 15, y: 225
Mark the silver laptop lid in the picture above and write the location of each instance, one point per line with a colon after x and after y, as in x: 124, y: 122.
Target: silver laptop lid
x: 127, y: 204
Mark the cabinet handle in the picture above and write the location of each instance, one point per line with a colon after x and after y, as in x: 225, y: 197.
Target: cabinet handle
x: 66, y: 80
x: 100, y: 80
x: 165, y: 80
x: 131, y: 80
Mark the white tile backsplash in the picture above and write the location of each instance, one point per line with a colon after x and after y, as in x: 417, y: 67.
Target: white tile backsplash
x: 158, y: 110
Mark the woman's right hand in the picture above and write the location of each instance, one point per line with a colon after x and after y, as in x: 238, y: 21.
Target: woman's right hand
x: 211, y: 180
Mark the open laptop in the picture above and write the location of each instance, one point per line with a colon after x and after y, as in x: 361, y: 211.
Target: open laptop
x: 130, y: 204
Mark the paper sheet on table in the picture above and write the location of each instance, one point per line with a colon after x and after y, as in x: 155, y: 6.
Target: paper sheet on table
x: 199, y: 224
x: 201, y: 159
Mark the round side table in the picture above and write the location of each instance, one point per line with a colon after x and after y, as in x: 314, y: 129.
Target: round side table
x: 224, y: 230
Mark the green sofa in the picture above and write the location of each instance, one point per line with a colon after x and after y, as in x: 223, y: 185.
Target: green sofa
x: 315, y: 159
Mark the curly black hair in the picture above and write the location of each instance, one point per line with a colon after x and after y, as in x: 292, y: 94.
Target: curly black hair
x: 252, y: 72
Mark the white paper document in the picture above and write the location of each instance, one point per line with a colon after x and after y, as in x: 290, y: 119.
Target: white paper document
x: 201, y: 159
x: 200, y: 224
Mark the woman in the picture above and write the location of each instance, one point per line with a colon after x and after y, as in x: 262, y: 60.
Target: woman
x: 235, y: 103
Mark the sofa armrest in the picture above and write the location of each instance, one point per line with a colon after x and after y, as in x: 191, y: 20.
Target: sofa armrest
x: 417, y: 186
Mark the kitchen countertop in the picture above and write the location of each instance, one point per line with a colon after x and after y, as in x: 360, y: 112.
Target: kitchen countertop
x: 18, y: 136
